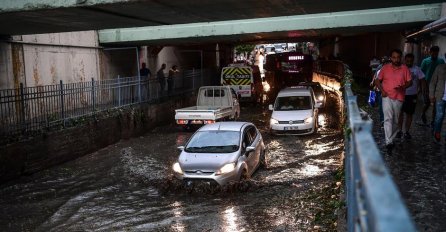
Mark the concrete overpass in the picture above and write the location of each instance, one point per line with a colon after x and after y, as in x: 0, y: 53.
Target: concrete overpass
x: 177, y: 21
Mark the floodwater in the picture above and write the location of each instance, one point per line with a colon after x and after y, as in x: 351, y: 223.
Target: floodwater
x: 129, y: 186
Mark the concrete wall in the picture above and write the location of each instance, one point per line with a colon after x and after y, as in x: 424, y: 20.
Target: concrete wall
x: 357, y: 51
x: 56, y: 147
x: 45, y: 59
x: 6, y: 73
x: 122, y: 62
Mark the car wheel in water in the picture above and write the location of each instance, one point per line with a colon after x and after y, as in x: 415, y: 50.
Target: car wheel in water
x: 244, y: 183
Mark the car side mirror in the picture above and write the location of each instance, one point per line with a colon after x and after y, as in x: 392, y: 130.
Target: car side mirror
x: 180, y: 148
x: 250, y: 148
x: 270, y: 107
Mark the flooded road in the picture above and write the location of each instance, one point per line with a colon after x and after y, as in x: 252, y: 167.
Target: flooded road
x: 129, y: 186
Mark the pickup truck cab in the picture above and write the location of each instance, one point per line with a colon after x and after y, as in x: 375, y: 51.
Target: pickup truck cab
x: 214, y: 103
x: 295, y: 111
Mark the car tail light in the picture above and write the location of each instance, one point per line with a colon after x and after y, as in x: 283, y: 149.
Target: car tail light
x: 182, y: 121
x: 208, y: 121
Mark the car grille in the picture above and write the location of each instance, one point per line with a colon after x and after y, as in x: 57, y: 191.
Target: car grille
x: 199, y: 172
x: 292, y: 122
x: 198, y: 181
x: 293, y: 132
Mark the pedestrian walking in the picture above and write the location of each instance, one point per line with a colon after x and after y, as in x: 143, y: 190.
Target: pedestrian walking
x: 161, y: 78
x: 384, y: 60
x: 437, y: 96
x: 393, y: 79
x: 428, y: 66
x: 170, y: 78
x: 410, y: 99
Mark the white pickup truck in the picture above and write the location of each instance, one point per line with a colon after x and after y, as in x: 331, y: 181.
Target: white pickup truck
x: 214, y: 103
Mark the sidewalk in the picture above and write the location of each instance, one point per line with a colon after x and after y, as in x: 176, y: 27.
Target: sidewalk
x: 418, y: 167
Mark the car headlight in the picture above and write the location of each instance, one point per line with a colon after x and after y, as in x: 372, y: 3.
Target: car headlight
x: 176, y: 168
x: 320, y: 98
x: 226, y: 169
x: 308, y: 120
x: 266, y: 87
x: 273, y: 121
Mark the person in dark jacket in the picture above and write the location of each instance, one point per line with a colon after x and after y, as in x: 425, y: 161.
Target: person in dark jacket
x: 161, y: 78
x: 170, y: 77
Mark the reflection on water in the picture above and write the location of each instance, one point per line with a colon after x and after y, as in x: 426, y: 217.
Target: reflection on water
x: 321, y: 120
x: 319, y: 148
x: 177, y: 224
x: 310, y: 170
x: 231, y: 219
x: 182, y: 139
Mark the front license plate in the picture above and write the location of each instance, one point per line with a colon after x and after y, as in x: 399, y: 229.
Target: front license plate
x: 290, y: 128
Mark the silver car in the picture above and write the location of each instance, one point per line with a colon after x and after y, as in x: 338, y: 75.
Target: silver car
x: 220, y: 153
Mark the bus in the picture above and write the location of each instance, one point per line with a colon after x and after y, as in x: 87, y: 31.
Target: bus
x: 288, y: 69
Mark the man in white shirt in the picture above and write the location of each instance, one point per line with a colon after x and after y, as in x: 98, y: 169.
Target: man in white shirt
x: 410, y: 99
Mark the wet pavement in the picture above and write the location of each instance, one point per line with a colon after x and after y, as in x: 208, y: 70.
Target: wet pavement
x: 418, y: 167
x: 129, y: 186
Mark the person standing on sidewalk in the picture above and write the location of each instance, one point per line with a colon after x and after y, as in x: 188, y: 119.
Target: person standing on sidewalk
x: 170, y: 78
x: 428, y: 66
x: 410, y: 100
x: 393, y: 79
x: 437, y: 96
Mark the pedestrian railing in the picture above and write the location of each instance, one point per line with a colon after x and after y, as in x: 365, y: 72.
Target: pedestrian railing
x: 30, y: 109
x: 373, y: 200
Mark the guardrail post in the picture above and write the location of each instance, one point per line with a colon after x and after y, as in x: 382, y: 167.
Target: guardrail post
x: 93, y: 94
x: 119, y: 90
x: 62, y: 103
x: 22, y: 107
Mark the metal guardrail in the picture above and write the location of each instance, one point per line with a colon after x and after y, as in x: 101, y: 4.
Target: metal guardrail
x: 29, y: 109
x: 373, y: 200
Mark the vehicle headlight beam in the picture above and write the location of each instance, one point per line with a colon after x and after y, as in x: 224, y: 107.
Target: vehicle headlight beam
x: 226, y: 169
x: 176, y: 168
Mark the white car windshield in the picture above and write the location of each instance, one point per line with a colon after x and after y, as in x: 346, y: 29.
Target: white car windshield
x: 214, y: 142
x: 292, y: 103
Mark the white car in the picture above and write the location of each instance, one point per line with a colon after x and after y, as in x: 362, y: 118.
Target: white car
x: 221, y: 152
x: 295, y: 111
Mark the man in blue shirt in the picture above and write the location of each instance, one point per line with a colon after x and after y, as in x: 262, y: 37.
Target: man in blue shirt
x: 428, y: 66
x: 144, y: 71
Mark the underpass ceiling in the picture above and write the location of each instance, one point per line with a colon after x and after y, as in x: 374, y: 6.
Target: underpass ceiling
x: 47, y: 16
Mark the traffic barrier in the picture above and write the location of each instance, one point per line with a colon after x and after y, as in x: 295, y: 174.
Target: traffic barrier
x: 373, y: 200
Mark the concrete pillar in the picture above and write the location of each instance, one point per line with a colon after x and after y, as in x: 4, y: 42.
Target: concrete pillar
x: 217, y: 55
x: 336, y: 47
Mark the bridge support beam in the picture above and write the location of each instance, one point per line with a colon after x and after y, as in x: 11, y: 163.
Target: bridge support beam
x: 299, y: 24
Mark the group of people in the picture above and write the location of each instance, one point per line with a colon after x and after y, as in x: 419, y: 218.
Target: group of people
x: 398, y: 86
x: 145, y: 72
